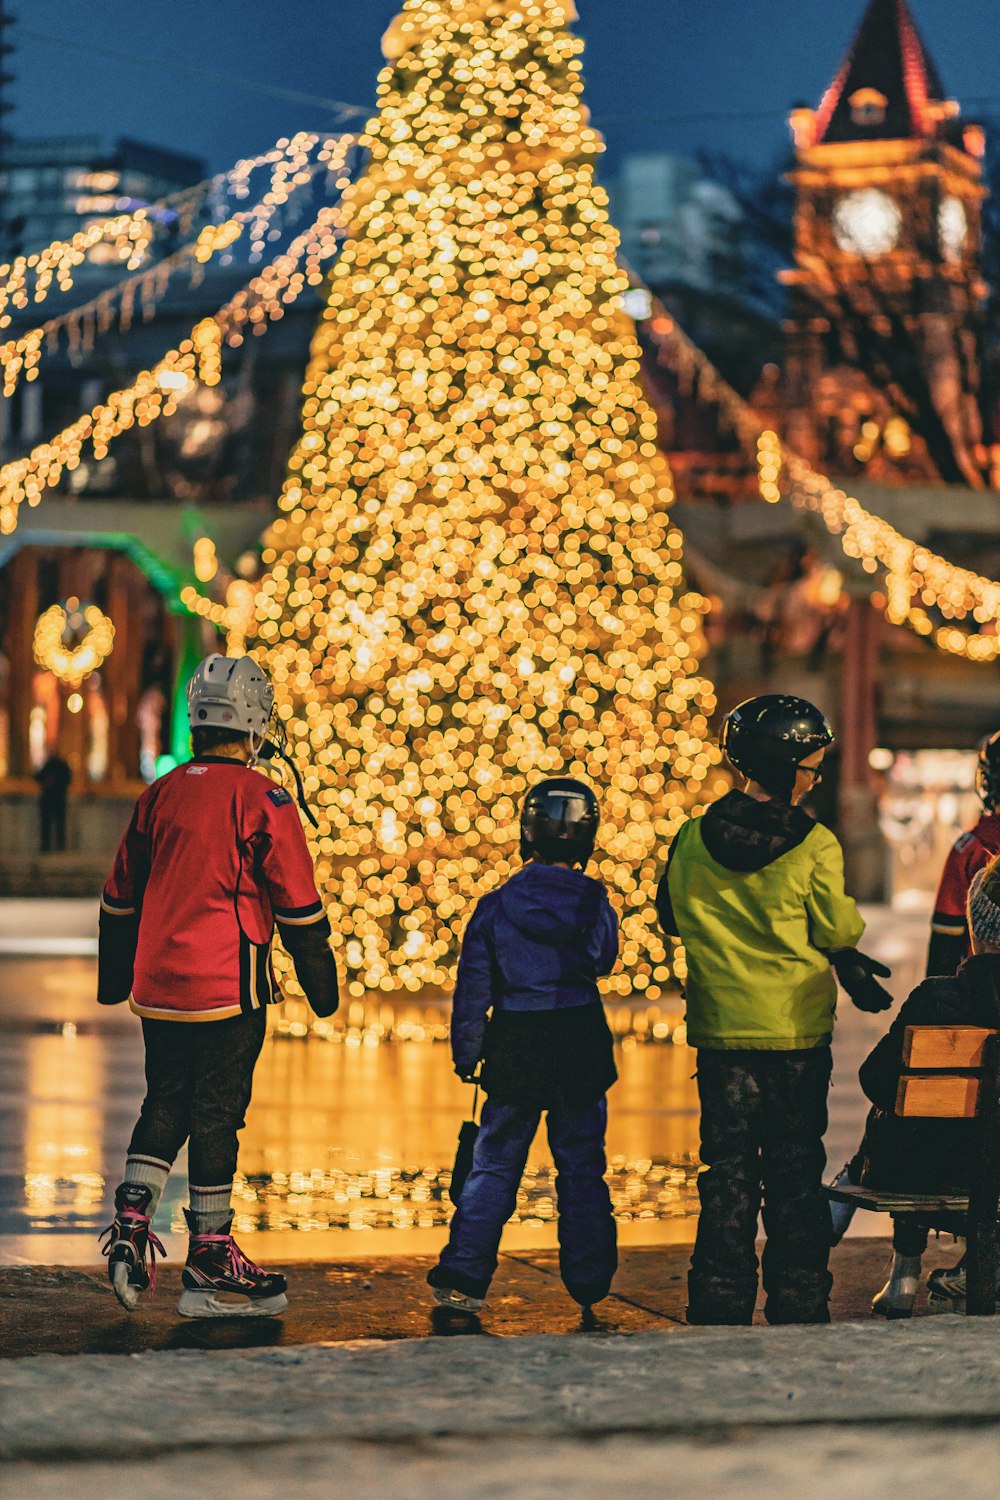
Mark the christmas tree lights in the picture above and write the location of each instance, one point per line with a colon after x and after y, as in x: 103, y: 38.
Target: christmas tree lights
x: 476, y: 581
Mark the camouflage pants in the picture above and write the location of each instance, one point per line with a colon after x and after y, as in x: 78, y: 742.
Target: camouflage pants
x: 763, y: 1117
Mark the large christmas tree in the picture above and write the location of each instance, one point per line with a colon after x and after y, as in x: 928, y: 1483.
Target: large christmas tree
x: 475, y: 582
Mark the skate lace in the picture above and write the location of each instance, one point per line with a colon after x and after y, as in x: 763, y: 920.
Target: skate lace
x: 131, y: 1219
x: 239, y: 1265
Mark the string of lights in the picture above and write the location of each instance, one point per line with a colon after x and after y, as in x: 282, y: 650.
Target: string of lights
x: 293, y: 168
x: 475, y: 580
x: 155, y: 392
x: 917, y: 580
x: 236, y: 615
x: 32, y: 278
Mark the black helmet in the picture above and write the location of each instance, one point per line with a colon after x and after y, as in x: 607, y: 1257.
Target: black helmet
x: 766, y: 738
x: 559, y: 821
x: 988, y: 771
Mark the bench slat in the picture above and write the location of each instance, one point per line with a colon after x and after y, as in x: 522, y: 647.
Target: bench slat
x: 938, y: 1096
x: 944, y: 1046
x: 885, y: 1202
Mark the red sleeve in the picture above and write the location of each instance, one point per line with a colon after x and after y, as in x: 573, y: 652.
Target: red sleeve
x: 287, y: 869
x: 127, y: 882
x: 966, y: 857
x: 285, y: 861
x: 121, y: 908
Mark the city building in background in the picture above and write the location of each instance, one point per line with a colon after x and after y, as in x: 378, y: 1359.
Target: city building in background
x: 880, y: 381
x: 882, y: 372
x: 677, y: 226
x: 51, y: 187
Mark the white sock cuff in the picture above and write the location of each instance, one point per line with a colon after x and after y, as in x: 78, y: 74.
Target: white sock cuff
x: 148, y: 1172
x: 210, y: 1206
x: 206, y: 1200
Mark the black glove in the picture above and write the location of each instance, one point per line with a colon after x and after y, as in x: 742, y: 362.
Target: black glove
x: 856, y: 972
x: 315, y: 966
x: 468, y: 1075
x: 116, y: 956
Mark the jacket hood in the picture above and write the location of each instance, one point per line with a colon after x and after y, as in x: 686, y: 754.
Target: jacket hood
x: 549, y: 904
x: 746, y: 835
x: 979, y: 978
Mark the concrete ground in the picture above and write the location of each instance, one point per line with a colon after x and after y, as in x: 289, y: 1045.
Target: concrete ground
x: 864, y: 1410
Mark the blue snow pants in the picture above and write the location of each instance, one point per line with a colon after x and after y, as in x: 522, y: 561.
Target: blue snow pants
x: 588, y: 1242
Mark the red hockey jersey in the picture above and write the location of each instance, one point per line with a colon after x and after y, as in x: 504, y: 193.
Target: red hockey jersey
x: 949, y: 926
x: 215, y: 852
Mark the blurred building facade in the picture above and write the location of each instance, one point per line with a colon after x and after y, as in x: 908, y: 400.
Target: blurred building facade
x: 53, y: 186
x: 879, y: 386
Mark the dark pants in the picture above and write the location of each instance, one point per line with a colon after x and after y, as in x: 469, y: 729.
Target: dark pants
x: 588, y: 1246
x: 198, y: 1080
x: 53, y: 821
x: 763, y: 1117
x: 909, y: 1236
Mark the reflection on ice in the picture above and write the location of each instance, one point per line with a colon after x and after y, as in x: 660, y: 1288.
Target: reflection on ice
x: 417, y: 1198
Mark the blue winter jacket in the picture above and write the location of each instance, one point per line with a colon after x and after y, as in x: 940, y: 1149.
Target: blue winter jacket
x: 539, y: 943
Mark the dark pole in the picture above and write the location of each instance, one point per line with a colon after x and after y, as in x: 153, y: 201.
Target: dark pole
x: 6, y: 107
x: 984, y: 1191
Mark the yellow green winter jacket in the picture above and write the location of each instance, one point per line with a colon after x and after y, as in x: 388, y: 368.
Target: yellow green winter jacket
x: 755, y: 890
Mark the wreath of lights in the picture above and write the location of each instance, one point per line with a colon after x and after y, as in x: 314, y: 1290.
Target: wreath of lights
x: 71, y: 664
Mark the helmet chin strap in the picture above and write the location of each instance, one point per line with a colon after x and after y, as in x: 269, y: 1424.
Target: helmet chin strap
x: 268, y: 750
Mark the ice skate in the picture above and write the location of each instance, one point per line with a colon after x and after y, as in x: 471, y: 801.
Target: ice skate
x: 129, y: 1237
x: 219, y: 1281
x: 946, y: 1288
x: 456, y: 1301
x: 897, y: 1297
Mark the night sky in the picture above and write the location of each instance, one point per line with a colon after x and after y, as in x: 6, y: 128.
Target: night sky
x: 647, y: 62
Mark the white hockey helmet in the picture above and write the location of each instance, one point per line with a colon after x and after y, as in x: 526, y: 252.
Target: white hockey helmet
x: 230, y: 692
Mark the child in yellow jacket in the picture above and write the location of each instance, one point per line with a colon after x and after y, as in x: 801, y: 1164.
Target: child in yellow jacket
x: 755, y: 890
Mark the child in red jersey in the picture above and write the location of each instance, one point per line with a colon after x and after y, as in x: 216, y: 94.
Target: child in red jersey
x: 971, y: 853
x: 213, y: 858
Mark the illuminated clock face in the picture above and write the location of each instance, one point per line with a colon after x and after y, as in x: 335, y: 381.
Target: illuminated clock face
x: 866, y: 222
x: 953, y: 228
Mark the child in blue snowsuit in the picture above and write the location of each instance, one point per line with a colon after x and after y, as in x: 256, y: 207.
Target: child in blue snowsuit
x: 530, y: 961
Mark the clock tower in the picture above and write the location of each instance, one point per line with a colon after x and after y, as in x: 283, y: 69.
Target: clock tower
x: 886, y: 286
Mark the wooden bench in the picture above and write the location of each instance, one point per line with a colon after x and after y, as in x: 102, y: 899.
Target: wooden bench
x: 952, y: 1073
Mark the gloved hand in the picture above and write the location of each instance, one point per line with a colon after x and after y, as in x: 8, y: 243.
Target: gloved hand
x: 856, y: 972
x: 467, y: 1074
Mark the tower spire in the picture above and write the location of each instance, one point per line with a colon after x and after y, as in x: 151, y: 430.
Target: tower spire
x: 887, y: 87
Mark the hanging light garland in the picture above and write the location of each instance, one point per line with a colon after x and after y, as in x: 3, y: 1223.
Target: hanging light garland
x: 21, y: 357
x: 237, y: 616
x: 31, y: 278
x: 71, y: 664
x: 917, y: 579
x: 156, y: 391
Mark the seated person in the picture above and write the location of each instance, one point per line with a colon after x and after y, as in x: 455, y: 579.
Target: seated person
x: 928, y: 1156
